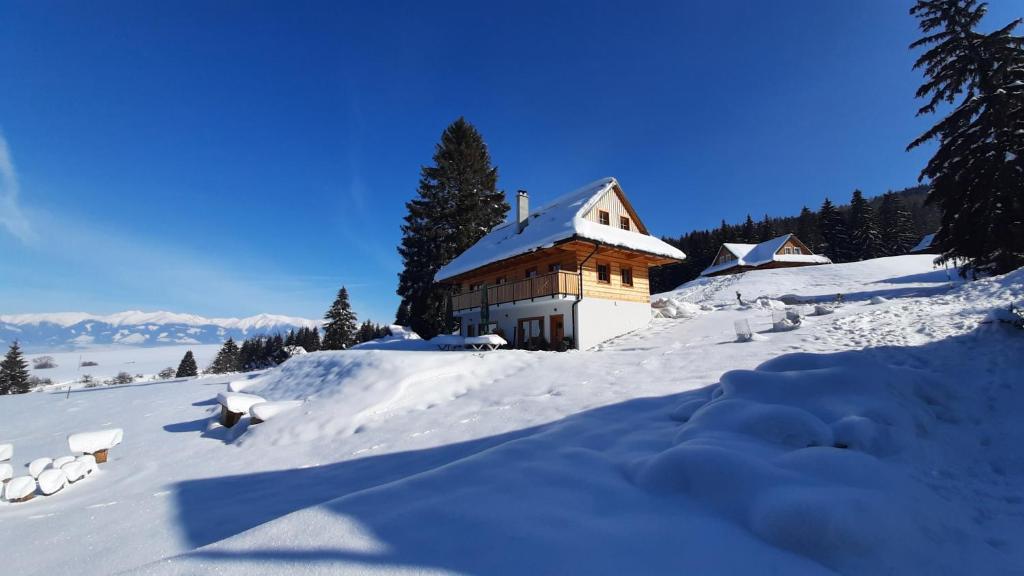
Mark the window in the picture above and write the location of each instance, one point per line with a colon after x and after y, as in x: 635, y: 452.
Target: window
x: 474, y: 286
x: 500, y: 280
x: 470, y: 330
x: 624, y: 222
x: 797, y: 251
x: 789, y: 250
x: 627, y: 276
x: 604, y: 218
x: 554, y: 267
x: 604, y: 273
x: 531, y: 272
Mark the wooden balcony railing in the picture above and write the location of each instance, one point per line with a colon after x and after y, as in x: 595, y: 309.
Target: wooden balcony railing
x: 561, y: 283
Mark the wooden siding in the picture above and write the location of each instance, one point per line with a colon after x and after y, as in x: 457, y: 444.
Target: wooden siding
x: 515, y: 269
x: 794, y: 243
x: 611, y: 204
x: 724, y: 255
x: 640, y: 291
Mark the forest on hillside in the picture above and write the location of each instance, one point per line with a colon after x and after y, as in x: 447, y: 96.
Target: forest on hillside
x: 885, y: 225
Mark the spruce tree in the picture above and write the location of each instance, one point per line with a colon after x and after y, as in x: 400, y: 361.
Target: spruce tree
x: 977, y: 172
x: 765, y: 230
x: 897, y: 229
x: 14, y: 371
x: 807, y: 229
x: 865, y: 237
x: 314, y: 340
x: 457, y: 203
x: 748, y: 233
x: 835, y: 240
x: 227, y: 359
x: 340, y: 325
x: 402, y: 315
x: 187, y: 367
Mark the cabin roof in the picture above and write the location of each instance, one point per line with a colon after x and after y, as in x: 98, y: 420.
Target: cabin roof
x: 925, y: 243
x: 559, y: 220
x: 763, y: 253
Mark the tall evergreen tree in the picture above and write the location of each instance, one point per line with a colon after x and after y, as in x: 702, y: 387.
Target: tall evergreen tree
x: 456, y: 204
x: 765, y: 229
x: 314, y: 340
x: 865, y: 238
x: 897, y: 229
x: 835, y: 240
x: 14, y: 371
x: 748, y: 233
x: 227, y: 359
x: 402, y: 314
x: 340, y: 325
x: 807, y: 229
x: 977, y: 172
x: 187, y: 367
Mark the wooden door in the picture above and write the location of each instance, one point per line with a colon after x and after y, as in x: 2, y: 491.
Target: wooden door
x: 557, y: 329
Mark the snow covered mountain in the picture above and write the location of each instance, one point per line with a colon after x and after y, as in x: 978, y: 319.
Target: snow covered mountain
x: 73, y: 330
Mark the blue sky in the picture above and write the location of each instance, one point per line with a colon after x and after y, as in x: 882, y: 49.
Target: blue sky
x: 230, y: 158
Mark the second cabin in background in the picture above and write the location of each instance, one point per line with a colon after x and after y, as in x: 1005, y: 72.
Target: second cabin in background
x: 571, y: 274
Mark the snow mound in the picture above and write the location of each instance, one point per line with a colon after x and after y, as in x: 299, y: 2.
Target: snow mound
x: 6, y: 452
x: 89, y: 462
x: 878, y: 300
x: 20, y: 487
x: 267, y: 410
x: 791, y: 450
x: 36, y: 467
x: 673, y: 308
x: 401, y: 338
x: 76, y: 470
x: 58, y: 462
x: 52, y: 481
x: 6, y: 471
x: 238, y: 402
x: 344, y: 390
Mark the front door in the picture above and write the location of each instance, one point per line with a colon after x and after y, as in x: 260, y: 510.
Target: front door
x: 529, y: 329
x: 557, y: 329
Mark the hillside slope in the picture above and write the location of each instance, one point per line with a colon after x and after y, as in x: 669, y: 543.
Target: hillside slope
x: 881, y: 438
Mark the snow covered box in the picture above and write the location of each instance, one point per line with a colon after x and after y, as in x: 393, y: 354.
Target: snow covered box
x: 96, y: 443
x: 233, y: 405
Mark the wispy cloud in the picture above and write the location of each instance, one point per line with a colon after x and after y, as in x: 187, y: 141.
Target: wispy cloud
x: 11, y: 216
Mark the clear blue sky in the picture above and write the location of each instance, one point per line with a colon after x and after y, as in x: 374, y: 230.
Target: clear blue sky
x: 230, y: 157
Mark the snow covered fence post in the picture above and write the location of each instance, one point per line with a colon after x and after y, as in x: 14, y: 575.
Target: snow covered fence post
x: 96, y: 443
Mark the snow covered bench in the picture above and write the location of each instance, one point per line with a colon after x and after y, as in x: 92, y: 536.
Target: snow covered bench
x: 485, y: 342
x: 448, y: 342
x: 264, y: 411
x: 233, y: 405
x: 96, y: 443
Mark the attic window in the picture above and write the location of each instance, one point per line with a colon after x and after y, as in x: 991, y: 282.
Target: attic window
x: 789, y: 250
x: 797, y: 251
x: 604, y: 218
x: 624, y: 222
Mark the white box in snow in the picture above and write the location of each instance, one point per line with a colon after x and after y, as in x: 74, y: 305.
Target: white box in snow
x: 75, y: 470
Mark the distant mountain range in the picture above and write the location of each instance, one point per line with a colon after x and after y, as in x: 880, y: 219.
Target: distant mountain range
x: 75, y: 330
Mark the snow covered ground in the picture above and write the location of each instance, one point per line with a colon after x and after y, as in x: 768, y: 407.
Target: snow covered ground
x: 882, y: 438
x: 111, y: 360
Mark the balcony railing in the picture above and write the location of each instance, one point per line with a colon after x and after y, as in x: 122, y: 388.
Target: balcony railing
x: 561, y: 283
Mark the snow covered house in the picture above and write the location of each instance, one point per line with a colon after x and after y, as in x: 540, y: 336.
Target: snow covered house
x: 574, y: 271
x: 783, y: 252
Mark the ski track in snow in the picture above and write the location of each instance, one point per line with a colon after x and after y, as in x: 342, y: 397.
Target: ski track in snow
x: 619, y: 460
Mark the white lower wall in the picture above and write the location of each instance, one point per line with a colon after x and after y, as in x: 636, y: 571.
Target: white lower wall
x: 600, y: 319
x: 507, y: 316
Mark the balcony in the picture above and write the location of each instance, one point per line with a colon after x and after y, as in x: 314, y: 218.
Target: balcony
x: 561, y: 283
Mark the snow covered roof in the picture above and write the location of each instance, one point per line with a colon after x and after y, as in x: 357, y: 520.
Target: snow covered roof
x: 763, y: 253
x: 925, y: 243
x: 559, y: 220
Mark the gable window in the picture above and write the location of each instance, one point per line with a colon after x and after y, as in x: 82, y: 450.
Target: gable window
x: 531, y: 272
x: 789, y: 250
x: 624, y: 222
x: 604, y: 273
x: 500, y: 280
x: 627, y: 276
x: 604, y: 218
x: 554, y: 267
x: 797, y: 251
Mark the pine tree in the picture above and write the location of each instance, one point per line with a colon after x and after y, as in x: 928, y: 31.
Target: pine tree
x: 977, y: 172
x: 289, y: 340
x: 865, y: 238
x: 765, y: 230
x: 835, y: 240
x: 227, y: 359
x: 402, y: 315
x: 748, y: 233
x: 187, y: 367
x: 457, y: 203
x: 807, y: 229
x: 314, y: 340
x: 898, y: 235
x: 340, y: 325
x: 14, y: 371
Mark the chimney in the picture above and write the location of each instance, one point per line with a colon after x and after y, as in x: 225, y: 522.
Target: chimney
x: 522, y: 209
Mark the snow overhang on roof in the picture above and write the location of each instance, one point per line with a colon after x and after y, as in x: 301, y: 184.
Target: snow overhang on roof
x: 557, y: 221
